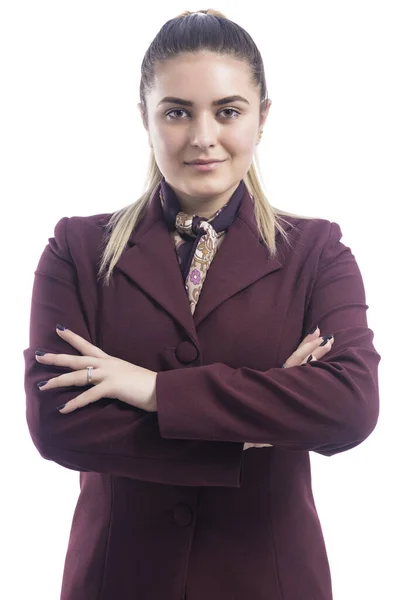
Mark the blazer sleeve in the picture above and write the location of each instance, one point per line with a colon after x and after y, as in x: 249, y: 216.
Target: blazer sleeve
x: 107, y: 436
x: 327, y: 406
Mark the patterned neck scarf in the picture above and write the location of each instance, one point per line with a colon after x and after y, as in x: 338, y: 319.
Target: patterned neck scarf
x: 197, y: 239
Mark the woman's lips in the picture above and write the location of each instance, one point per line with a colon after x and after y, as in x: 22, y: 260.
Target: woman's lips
x: 205, y: 166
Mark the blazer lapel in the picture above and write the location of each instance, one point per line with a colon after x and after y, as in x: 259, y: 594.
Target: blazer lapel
x: 240, y: 261
x: 151, y: 262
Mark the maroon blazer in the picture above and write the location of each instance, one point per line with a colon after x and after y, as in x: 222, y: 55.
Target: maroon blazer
x: 171, y: 507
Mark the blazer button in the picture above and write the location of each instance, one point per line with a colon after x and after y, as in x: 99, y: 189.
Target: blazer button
x: 183, y: 515
x: 186, y: 353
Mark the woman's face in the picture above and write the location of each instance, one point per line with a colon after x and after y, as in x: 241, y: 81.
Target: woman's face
x: 180, y: 133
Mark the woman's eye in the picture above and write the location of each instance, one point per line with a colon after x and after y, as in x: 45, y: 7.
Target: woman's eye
x: 181, y: 110
x: 232, y: 109
x: 175, y: 110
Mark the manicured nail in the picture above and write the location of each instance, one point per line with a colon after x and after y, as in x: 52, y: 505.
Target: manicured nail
x: 325, y: 339
x: 61, y: 327
x: 309, y: 359
x: 313, y: 331
x: 38, y: 353
x: 61, y: 406
x: 41, y: 383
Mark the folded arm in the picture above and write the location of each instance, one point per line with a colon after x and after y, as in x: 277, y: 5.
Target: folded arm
x: 107, y: 436
x: 327, y: 406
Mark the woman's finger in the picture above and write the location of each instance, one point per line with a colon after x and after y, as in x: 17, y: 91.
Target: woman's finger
x: 75, y: 378
x: 313, y: 346
x: 318, y: 352
x: 310, y: 337
x: 304, y: 350
x: 301, y: 354
x: 78, y: 342
x: 88, y: 397
x: 69, y: 361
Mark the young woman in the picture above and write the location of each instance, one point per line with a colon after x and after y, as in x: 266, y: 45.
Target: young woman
x: 165, y: 387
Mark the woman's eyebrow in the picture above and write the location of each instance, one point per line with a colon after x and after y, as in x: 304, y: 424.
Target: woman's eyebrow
x: 227, y: 100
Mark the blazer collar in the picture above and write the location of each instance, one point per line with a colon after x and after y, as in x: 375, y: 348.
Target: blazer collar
x: 150, y: 261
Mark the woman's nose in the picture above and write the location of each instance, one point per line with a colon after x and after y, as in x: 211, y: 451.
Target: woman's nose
x: 204, y: 132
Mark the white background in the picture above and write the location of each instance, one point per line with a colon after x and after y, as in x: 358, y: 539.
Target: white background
x: 72, y: 143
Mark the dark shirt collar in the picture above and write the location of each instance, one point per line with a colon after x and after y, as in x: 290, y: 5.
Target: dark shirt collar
x: 221, y: 222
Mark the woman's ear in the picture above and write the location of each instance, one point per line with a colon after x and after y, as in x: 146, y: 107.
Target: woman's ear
x: 264, y: 111
x: 140, y: 109
x: 144, y: 121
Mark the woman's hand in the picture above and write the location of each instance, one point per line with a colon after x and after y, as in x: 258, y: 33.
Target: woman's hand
x: 111, y: 377
x: 309, y: 350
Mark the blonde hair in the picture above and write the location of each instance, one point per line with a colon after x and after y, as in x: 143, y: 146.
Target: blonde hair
x: 211, y: 30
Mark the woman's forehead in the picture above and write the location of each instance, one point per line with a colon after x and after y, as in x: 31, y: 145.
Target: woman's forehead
x: 221, y: 77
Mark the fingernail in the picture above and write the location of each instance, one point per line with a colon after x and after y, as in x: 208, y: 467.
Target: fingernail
x: 61, y: 406
x: 325, y: 339
x: 41, y: 383
x: 309, y: 359
x: 61, y: 327
x: 38, y: 353
x: 313, y: 331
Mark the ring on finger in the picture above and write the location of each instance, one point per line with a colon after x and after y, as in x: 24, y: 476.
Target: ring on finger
x: 89, y: 374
